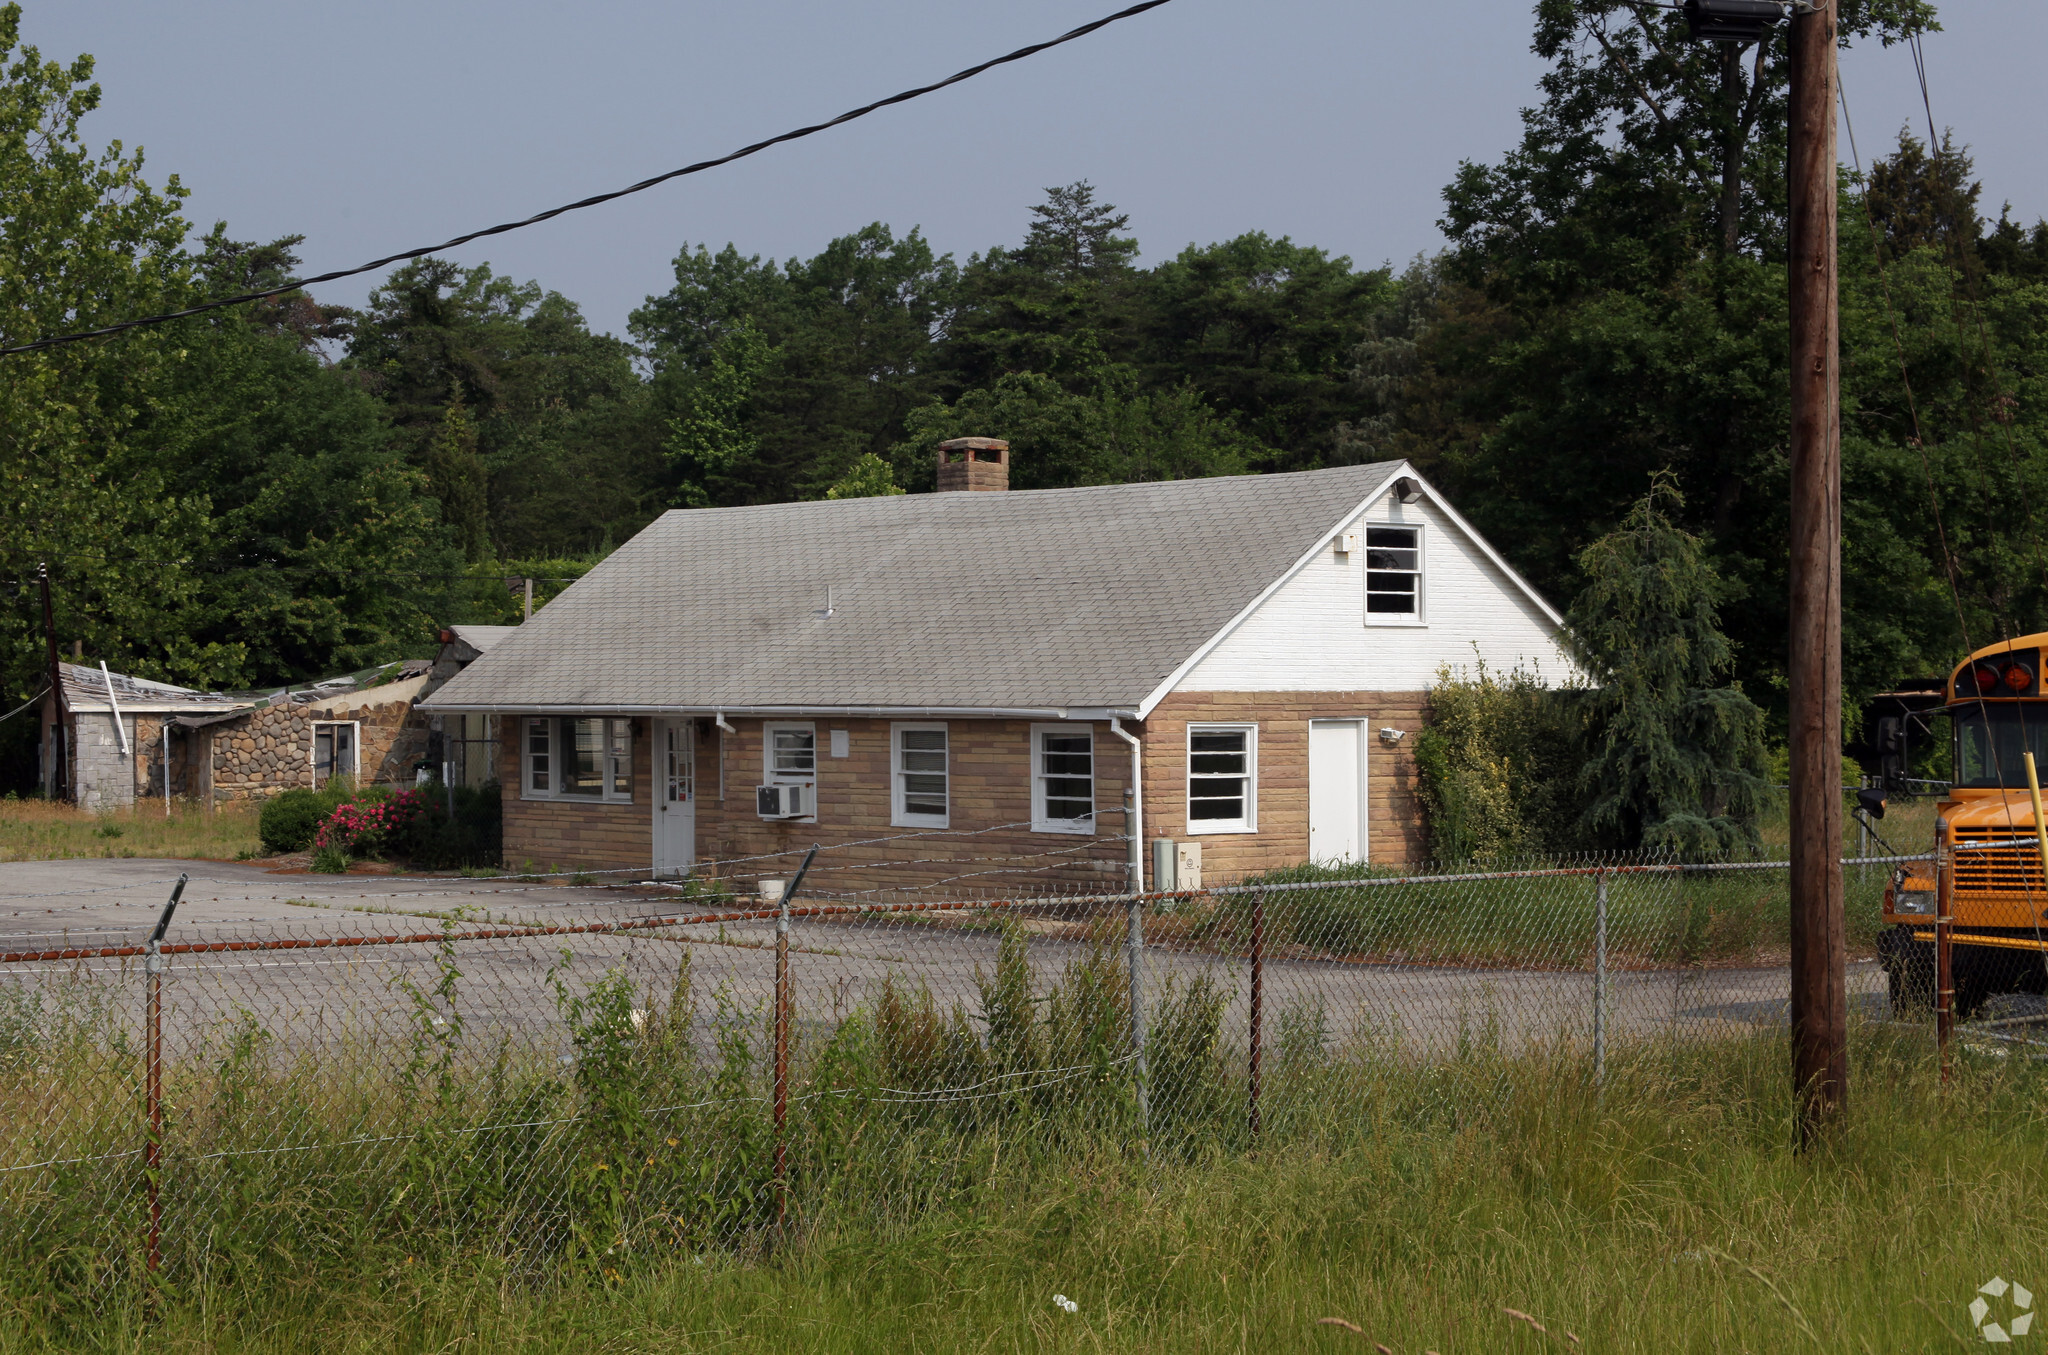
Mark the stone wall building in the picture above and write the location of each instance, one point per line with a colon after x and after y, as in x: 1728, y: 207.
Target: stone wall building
x: 114, y: 740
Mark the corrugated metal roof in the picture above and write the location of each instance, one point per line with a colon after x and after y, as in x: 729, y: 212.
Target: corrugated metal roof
x: 85, y: 688
x: 1020, y: 600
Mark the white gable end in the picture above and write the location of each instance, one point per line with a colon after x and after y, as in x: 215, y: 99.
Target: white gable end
x: 1311, y: 633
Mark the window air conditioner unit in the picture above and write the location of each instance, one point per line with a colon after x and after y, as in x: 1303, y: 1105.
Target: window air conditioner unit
x: 782, y: 802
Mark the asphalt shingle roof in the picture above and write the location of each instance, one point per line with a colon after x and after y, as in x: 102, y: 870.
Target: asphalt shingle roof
x: 1036, y: 599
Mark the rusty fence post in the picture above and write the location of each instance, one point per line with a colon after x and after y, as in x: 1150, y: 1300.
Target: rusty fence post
x: 1944, y: 950
x: 782, y: 1020
x: 153, y: 1079
x: 1258, y: 1012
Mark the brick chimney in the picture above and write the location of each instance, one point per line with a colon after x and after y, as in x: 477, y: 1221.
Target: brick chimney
x: 974, y: 463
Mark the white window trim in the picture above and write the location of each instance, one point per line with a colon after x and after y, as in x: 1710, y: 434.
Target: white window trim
x: 1250, y: 822
x: 1039, y: 822
x: 526, y: 724
x: 313, y: 749
x: 899, y: 817
x: 1422, y: 572
x: 555, y: 762
x: 771, y: 777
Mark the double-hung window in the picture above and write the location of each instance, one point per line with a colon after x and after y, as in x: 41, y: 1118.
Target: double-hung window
x: 577, y: 758
x: 792, y: 754
x: 919, y: 777
x: 1062, y: 778
x: 1393, y: 574
x: 1223, y: 763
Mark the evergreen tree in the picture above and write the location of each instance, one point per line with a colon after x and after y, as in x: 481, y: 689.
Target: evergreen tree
x: 1675, y: 754
x: 455, y: 476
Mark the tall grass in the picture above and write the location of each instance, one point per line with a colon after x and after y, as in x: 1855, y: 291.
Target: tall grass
x: 43, y: 830
x: 1417, y: 1203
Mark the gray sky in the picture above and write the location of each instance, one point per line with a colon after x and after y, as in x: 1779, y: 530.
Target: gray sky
x: 376, y: 125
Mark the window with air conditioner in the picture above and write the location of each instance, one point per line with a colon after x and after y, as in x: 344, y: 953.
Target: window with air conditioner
x: 1063, y: 778
x: 920, y: 775
x: 789, y: 770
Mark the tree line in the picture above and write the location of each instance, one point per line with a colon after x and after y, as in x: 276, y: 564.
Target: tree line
x: 290, y: 489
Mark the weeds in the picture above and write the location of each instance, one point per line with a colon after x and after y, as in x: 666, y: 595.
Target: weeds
x: 1486, y: 1203
x: 42, y: 830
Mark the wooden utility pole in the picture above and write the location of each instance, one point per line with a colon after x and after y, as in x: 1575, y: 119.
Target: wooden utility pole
x: 1820, y: 1071
x: 54, y: 780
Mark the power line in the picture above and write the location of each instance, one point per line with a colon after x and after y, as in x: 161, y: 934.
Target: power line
x: 1083, y: 31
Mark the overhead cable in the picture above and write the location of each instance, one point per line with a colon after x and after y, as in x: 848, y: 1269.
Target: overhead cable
x: 1083, y: 31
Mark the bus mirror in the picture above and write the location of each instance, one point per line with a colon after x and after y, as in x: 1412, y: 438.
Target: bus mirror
x: 1871, y: 802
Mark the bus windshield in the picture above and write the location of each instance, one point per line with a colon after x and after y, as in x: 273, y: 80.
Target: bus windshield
x: 1990, y: 739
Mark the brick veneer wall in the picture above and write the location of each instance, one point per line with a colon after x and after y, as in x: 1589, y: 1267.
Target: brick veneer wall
x: 1394, y: 820
x: 549, y: 834
x: 990, y: 842
x: 990, y: 798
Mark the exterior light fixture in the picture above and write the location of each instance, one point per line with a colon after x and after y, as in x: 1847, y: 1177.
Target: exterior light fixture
x: 1407, y: 491
x: 1390, y: 737
x: 1732, y: 20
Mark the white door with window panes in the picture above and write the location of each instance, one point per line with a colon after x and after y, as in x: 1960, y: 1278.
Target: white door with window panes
x: 675, y: 797
x: 1336, y: 791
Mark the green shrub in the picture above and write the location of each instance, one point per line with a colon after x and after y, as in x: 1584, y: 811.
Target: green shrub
x: 289, y: 821
x: 1497, y: 766
x: 472, y: 836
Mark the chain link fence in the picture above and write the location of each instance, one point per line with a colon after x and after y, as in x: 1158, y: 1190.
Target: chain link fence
x: 676, y: 1070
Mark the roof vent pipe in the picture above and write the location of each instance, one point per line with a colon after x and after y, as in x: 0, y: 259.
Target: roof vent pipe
x: 973, y: 464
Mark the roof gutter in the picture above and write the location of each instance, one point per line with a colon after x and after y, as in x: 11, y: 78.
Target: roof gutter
x: 434, y: 705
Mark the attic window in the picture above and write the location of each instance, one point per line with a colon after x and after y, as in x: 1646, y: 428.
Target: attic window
x: 1393, y: 574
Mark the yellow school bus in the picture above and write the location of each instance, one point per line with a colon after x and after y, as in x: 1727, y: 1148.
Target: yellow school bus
x: 1998, y: 706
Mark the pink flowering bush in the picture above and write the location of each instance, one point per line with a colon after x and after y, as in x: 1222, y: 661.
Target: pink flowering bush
x: 364, y: 825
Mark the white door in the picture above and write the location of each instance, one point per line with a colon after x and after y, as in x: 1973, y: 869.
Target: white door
x: 675, y: 796
x: 1336, y: 790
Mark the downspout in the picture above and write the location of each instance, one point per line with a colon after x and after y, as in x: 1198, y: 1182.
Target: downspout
x: 1134, y: 931
x: 119, y: 728
x: 1134, y: 815
x: 723, y: 730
